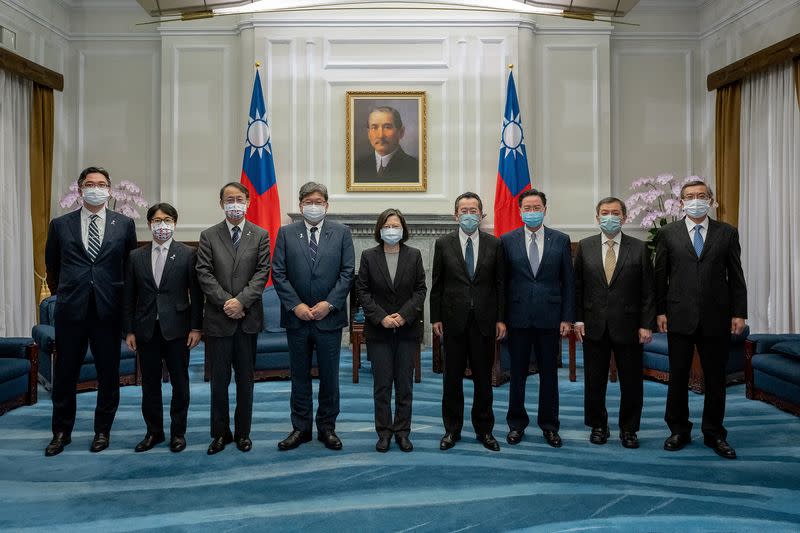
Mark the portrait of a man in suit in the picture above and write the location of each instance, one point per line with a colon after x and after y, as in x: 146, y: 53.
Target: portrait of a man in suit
x: 386, y: 142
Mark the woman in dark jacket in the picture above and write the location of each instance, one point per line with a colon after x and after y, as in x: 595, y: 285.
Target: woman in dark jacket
x: 391, y: 289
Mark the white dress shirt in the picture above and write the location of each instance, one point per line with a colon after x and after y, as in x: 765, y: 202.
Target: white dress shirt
x: 101, y: 224
x: 703, y: 228
x: 383, y: 160
x: 240, y: 225
x: 539, y: 241
x: 318, y: 226
x: 463, y: 238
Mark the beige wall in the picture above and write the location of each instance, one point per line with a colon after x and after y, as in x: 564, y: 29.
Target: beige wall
x: 165, y: 106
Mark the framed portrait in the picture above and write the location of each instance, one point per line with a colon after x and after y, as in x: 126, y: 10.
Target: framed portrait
x: 385, y: 141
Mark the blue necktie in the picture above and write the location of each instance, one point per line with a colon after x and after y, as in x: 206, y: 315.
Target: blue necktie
x: 235, y: 237
x: 533, y: 256
x: 312, y: 244
x: 698, y: 240
x: 469, y: 257
x: 94, y: 238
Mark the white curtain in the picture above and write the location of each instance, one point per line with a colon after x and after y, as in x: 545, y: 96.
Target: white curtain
x: 769, y: 206
x: 17, y: 300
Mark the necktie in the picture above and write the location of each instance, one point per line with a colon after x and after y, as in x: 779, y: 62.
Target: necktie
x: 698, y: 240
x: 94, y: 238
x: 469, y: 258
x: 381, y: 170
x: 611, y: 260
x: 235, y: 237
x: 533, y: 256
x: 312, y: 244
x: 158, y: 270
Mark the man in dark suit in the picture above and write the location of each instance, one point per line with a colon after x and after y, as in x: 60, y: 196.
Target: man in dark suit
x: 467, y: 310
x: 163, y: 319
x: 85, y: 256
x: 540, y: 294
x: 615, y: 311
x: 312, y: 272
x: 701, y: 299
x: 232, y: 269
x: 388, y: 163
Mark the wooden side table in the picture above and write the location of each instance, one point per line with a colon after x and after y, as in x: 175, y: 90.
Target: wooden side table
x: 357, y: 338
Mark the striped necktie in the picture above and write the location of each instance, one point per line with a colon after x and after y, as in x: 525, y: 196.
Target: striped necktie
x: 611, y: 261
x: 312, y: 244
x: 94, y: 238
x: 235, y: 237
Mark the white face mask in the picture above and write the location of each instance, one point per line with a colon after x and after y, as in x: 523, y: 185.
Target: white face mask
x: 314, y: 213
x: 391, y: 236
x: 235, y: 211
x: 162, y: 231
x: 96, y: 195
x: 696, y: 208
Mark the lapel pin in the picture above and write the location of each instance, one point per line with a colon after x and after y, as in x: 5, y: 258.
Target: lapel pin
x: 172, y: 257
x: 113, y: 221
x: 248, y: 233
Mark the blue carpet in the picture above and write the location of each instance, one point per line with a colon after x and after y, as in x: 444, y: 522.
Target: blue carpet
x: 530, y: 487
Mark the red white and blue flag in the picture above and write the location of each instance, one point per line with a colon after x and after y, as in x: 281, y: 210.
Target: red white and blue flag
x: 258, y: 169
x: 513, y: 176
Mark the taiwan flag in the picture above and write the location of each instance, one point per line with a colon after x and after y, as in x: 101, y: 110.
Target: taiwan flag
x: 258, y: 169
x: 513, y: 176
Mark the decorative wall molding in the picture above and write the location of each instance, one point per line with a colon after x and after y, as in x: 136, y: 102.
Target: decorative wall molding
x: 437, y: 63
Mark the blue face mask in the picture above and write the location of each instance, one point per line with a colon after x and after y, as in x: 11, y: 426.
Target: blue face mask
x: 533, y: 219
x: 391, y: 236
x: 610, y: 224
x: 469, y: 223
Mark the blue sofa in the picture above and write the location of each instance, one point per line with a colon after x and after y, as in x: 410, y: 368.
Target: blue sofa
x: 45, y: 336
x: 656, y: 361
x: 772, y: 370
x: 272, y: 346
x: 19, y: 365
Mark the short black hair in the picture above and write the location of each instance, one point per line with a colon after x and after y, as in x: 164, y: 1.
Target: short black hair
x: 92, y: 170
x: 398, y: 122
x: 383, y: 217
x: 468, y: 195
x: 235, y: 185
x: 694, y: 183
x: 164, y: 207
x: 531, y: 192
x: 612, y: 200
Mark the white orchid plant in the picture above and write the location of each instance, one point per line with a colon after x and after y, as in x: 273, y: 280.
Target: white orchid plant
x: 126, y: 198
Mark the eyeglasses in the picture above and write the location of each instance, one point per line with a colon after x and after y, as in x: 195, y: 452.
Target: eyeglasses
x: 166, y: 220
x: 473, y: 211
x: 529, y: 208
x: 701, y: 196
x: 387, y: 226
x: 98, y: 185
x: 308, y: 203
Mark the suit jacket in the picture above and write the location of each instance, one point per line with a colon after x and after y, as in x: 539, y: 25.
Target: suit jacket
x: 625, y: 304
x: 177, y: 301
x: 71, y: 274
x: 402, y: 167
x: 545, y: 298
x: 705, y: 291
x: 225, y: 272
x: 453, y: 293
x: 380, y: 297
x: 297, y: 280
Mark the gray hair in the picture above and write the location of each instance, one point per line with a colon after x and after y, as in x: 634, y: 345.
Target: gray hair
x: 311, y: 187
x: 694, y: 183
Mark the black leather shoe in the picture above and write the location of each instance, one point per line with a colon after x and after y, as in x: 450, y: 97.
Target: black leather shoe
x: 244, y: 444
x: 677, y: 441
x: 404, y: 443
x: 552, y: 438
x: 99, y: 443
x: 599, y: 435
x: 489, y: 442
x: 218, y: 444
x: 149, y: 441
x: 295, y: 439
x: 721, y: 447
x: 629, y: 439
x: 177, y: 443
x: 56, y: 445
x: 449, y: 440
x: 383, y: 443
x: 514, y: 436
x: 330, y: 440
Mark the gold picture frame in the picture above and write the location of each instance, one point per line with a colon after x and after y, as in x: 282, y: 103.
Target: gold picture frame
x: 372, y: 134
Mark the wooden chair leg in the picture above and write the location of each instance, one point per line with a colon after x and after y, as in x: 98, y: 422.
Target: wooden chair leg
x: 164, y: 372
x: 613, y: 369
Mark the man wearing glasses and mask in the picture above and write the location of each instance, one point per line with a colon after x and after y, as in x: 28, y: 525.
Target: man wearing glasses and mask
x: 85, y: 255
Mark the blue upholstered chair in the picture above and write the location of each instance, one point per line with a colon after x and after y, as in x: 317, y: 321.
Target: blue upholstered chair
x: 45, y: 336
x: 272, y: 346
x: 656, y: 361
x: 772, y: 370
x: 19, y: 365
